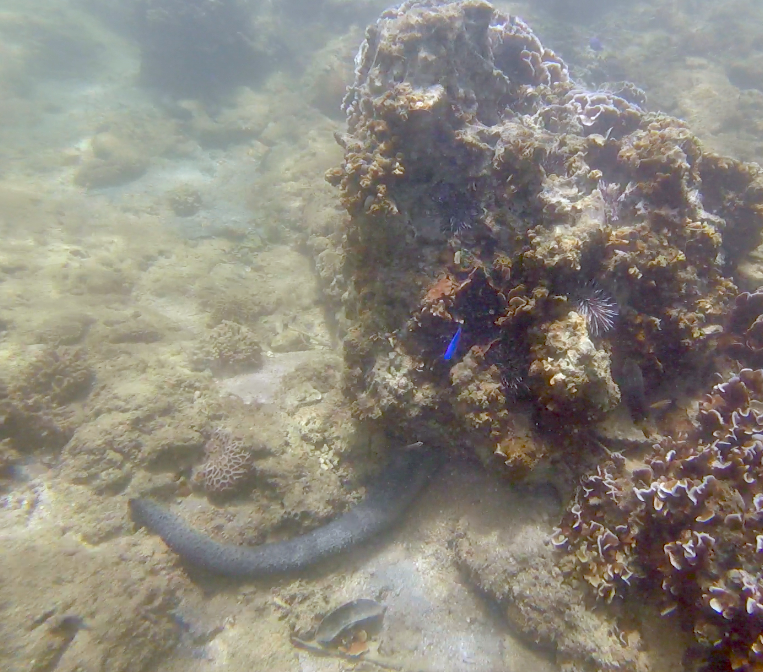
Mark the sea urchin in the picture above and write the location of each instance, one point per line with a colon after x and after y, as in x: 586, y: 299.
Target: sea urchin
x: 459, y: 211
x: 596, y: 306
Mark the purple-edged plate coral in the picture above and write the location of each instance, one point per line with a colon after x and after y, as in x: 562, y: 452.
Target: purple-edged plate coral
x: 556, y: 229
x: 688, y: 522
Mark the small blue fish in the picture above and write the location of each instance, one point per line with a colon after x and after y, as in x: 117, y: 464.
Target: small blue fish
x: 453, y: 345
x: 596, y: 44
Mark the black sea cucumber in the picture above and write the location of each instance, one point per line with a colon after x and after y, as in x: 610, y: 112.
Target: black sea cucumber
x: 394, y: 489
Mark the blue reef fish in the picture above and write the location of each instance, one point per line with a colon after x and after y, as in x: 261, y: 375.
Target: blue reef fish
x: 596, y: 44
x: 453, y: 345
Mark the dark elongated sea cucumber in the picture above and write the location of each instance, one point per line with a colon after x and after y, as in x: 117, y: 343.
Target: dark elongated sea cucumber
x: 393, y: 491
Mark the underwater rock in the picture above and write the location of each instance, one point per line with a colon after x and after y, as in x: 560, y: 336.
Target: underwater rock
x: 691, y: 515
x: 36, y: 405
x: 58, y: 375
x: 266, y: 384
x: 112, y: 161
x: 101, y: 456
x: 9, y: 458
x: 185, y: 200
x: 743, y: 338
x: 485, y: 187
x: 69, y: 605
x: 570, y: 376
x: 481, y: 399
x: 631, y: 384
x: 63, y: 329
x: 508, y: 562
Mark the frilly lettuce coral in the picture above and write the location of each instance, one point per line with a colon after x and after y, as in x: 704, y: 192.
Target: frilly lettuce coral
x: 688, y: 521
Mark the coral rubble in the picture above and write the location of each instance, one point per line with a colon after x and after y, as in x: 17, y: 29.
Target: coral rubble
x: 688, y: 521
x: 485, y: 190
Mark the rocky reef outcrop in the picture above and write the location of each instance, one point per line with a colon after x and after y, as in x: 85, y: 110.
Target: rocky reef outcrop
x: 505, y: 218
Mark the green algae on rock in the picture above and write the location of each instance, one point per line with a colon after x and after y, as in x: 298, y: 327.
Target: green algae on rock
x: 484, y: 187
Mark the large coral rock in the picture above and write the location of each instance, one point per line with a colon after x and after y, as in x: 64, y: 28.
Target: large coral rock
x: 484, y: 189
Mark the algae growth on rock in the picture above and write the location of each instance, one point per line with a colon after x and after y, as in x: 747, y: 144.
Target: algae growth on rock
x: 485, y: 187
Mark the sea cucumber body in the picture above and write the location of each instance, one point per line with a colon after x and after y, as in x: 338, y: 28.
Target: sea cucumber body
x: 394, y: 490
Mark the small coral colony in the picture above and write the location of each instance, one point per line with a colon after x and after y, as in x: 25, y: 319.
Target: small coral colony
x: 520, y: 246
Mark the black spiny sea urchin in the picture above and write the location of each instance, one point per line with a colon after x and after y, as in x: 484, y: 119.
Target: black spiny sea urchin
x: 459, y: 211
x: 510, y: 355
x: 597, y: 307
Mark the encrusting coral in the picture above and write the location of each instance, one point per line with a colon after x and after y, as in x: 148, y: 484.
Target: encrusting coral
x: 35, y: 405
x: 228, y: 464
x: 485, y: 188
x: 229, y: 348
x: 688, y: 521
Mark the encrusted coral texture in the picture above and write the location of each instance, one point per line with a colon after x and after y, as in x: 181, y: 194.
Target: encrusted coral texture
x: 228, y: 464
x: 36, y: 404
x: 485, y: 188
x: 229, y: 348
x: 688, y: 521
x: 573, y: 376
